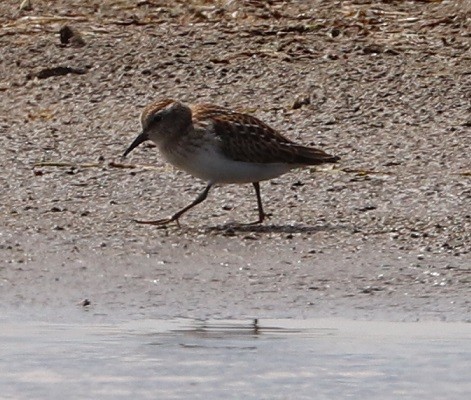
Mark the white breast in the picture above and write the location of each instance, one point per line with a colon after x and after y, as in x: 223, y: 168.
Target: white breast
x: 210, y: 165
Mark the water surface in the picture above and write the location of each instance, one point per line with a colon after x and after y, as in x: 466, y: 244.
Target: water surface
x: 266, y: 359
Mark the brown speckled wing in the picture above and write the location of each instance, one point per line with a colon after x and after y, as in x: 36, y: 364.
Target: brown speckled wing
x: 246, y: 138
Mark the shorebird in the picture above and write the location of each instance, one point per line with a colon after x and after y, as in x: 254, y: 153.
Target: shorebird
x: 221, y: 146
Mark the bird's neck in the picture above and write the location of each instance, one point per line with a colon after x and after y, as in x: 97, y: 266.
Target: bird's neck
x: 172, y: 141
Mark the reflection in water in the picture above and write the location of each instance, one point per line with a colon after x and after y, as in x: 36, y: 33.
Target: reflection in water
x: 273, y: 359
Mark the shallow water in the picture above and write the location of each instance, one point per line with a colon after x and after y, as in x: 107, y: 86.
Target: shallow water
x: 267, y: 359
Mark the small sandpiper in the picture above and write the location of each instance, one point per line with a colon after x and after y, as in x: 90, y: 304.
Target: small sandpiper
x: 221, y: 146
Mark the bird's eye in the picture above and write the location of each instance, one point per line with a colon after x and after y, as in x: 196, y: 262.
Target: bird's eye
x: 156, y: 118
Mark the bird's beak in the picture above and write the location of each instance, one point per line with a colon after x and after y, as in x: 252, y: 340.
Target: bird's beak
x: 140, y: 139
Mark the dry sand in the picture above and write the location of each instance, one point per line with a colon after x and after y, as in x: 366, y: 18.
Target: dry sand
x: 386, y: 234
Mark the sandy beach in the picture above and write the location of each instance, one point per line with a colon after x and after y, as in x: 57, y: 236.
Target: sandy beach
x: 384, y: 235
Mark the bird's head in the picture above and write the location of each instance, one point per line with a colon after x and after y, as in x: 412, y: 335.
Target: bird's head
x: 162, y: 122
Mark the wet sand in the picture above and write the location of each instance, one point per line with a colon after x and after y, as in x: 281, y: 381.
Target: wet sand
x: 386, y: 234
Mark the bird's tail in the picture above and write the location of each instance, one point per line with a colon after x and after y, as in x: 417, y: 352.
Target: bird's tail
x: 312, y: 156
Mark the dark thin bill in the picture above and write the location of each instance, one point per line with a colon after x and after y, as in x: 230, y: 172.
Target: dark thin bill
x: 140, y: 139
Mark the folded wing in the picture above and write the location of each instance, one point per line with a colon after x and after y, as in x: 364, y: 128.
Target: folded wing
x: 246, y: 138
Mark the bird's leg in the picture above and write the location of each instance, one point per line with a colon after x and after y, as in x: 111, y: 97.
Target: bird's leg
x: 261, y: 213
x: 202, y: 196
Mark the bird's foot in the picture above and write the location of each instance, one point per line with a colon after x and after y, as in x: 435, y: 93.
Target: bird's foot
x: 261, y: 218
x: 159, y: 222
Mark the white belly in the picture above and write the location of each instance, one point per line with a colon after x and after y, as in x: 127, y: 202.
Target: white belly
x: 213, y: 167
